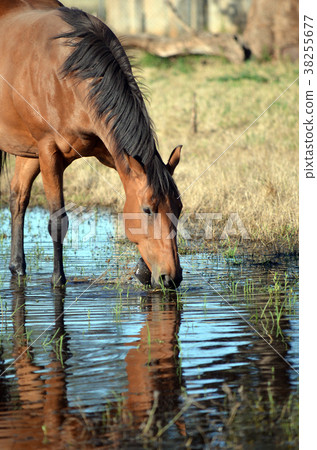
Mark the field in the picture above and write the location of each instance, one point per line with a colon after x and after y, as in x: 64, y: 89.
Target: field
x: 208, y: 105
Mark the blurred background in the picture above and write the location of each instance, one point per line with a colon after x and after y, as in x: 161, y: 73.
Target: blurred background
x: 264, y: 27
x: 135, y: 16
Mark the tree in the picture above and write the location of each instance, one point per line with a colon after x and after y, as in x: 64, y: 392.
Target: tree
x: 272, y: 28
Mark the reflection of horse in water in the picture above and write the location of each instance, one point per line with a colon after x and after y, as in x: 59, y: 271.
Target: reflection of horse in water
x: 154, y: 383
x: 39, y: 412
x: 42, y: 412
x: 153, y: 366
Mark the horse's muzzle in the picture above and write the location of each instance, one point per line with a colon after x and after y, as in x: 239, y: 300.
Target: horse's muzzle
x: 143, y: 274
x: 167, y: 281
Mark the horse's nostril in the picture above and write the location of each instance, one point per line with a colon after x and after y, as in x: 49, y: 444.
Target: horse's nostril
x: 166, y: 279
x: 170, y: 282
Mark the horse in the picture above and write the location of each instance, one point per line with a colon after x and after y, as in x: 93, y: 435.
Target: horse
x: 67, y: 91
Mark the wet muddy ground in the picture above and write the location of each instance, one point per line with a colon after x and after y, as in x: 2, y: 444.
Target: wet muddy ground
x: 107, y: 363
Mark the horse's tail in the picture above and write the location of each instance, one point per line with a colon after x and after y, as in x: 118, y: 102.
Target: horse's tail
x: 3, y: 157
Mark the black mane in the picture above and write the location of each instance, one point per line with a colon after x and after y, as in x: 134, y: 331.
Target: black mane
x: 3, y: 157
x: 117, y: 99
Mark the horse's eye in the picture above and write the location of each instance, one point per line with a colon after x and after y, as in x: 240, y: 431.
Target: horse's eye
x: 147, y: 211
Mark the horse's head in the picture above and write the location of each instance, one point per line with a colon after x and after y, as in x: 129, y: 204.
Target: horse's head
x: 151, y: 219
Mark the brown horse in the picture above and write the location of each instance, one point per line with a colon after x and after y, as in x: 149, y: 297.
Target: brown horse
x: 67, y: 91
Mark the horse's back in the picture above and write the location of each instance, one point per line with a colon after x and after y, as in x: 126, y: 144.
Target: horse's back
x: 29, y: 78
x: 37, y: 102
x: 27, y: 45
x: 25, y: 25
x: 7, y: 6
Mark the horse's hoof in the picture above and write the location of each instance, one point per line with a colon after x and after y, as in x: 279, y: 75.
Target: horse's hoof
x: 58, y: 280
x: 143, y: 273
x: 17, y: 269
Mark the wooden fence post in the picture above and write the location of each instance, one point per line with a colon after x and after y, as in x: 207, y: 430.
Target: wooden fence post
x: 102, y: 10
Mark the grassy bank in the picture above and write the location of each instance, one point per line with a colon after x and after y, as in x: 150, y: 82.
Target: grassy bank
x: 206, y: 104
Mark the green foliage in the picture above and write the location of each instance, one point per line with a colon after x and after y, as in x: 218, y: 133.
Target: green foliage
x: 181, y: 64
x: 245, y: 74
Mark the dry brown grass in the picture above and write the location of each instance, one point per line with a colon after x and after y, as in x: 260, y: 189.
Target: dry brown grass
x: 257, y: 177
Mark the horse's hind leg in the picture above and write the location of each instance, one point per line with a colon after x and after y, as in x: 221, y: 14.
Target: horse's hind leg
x: 26, y: 170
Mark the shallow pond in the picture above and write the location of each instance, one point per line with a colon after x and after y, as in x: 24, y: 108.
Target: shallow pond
x: 106, y: 363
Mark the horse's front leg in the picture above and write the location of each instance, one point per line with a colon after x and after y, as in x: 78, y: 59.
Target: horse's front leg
x: 52, y: 166
x: 26, y: 170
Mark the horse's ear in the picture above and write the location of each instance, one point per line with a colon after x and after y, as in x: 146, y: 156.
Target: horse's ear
x: 174, y: 159
x: 135, y: 166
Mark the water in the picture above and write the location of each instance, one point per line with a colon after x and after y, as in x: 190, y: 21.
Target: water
x: 106, y: 363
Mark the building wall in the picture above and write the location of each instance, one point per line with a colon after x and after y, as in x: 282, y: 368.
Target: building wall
x: 155, y: 17
x: 227, y: 15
